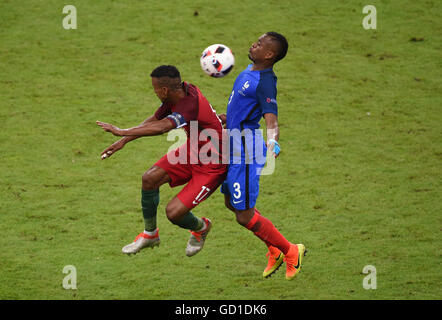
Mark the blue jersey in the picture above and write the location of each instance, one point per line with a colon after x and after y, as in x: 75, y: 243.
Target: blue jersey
x: 253, y: 95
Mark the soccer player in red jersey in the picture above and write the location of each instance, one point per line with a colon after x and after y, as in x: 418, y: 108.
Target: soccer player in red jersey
x: 197, y: 163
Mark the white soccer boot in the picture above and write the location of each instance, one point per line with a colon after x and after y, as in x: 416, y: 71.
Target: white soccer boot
x: 142, y: 241
x: 197, y: 239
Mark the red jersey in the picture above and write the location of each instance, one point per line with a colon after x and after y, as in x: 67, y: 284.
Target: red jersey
x: 204, y: 129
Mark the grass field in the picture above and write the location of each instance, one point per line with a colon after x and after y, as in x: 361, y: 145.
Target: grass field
x: 358, y: 182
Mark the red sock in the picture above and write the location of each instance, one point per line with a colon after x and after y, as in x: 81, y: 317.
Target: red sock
x: 264, y: 229
x: 268, y: 244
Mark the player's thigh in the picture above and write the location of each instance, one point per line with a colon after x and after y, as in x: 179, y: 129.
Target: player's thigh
x: 179, y: 173
x: 227, y: 202
x: 242, y: 216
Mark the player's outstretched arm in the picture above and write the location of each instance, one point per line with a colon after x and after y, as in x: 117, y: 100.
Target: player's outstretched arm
x: 118, y: 145
x: 152, y: 128
x: 272, y: 133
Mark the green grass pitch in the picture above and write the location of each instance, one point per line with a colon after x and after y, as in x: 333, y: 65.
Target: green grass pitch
x: 358, y: 180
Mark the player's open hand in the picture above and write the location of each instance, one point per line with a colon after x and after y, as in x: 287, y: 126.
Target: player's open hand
x: 112, y: 149
x: 110, y: 128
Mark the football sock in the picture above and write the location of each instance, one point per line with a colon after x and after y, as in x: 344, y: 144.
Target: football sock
x: 264, y: 229
x: 151, y: 233
x: 190, y: 221
x: 268, y: 244
x: 149, y: 205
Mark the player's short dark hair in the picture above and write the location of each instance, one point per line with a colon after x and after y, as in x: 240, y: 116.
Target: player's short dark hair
x: 165, y: 71
x: 282, y: 42
x: 169, y: 76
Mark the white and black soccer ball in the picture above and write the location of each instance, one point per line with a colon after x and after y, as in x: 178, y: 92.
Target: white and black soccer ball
x: 217, y: 60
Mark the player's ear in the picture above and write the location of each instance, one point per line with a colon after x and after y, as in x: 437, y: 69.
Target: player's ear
x: 270, y: 55
x: 165, y: 91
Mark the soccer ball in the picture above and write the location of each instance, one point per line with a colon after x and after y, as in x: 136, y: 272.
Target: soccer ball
x: 217, y: 60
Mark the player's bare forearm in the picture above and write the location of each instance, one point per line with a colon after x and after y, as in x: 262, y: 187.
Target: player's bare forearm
x: 272, y: 133
x: 127, y: 139
x: 151, y: 128
x: 118, y: 145
x: 272, y: 126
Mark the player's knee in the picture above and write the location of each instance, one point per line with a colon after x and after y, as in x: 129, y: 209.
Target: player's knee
x: 172, y: 214
x: 148, y: 181
x: 176, y: 210
x: 242, y: 219
x: 228, y: 204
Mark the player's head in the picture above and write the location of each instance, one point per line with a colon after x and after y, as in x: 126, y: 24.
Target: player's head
x: 270, y: 48
x: 166, y: 80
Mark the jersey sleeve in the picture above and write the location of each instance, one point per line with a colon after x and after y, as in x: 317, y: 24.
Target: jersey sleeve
x: 163, y: 111
x: 266, y: 95
x: 187, y: 108
x: 181, y: 114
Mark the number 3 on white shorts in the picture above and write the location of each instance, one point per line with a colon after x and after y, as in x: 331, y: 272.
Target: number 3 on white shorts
x: 237, y: 187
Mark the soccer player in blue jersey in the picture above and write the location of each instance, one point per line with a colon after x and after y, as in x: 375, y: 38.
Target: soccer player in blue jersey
x: 253, y: 97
